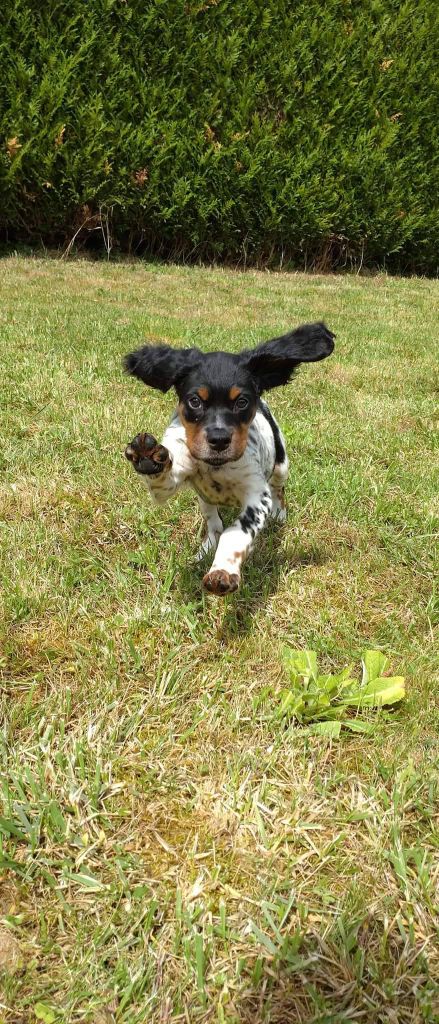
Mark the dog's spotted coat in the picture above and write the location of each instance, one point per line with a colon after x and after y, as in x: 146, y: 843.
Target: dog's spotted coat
x: 223, y: 440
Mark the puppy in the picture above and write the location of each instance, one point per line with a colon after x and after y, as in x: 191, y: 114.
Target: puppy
x: 222, y: 440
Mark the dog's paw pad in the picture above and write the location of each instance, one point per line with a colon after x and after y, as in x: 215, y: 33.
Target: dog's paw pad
x: 220, y: 582
x: 146, y: 455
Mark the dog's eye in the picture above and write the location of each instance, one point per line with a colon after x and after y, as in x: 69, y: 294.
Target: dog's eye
x: 194, y: 402
x: 241, y: 402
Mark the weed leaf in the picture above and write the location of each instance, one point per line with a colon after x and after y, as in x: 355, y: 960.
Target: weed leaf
x: 381, y: 691
x: 300, y: 663
x: 374, y: 664
x: 325, y: 700
x: 45, y: 1013
x: 331, y: 729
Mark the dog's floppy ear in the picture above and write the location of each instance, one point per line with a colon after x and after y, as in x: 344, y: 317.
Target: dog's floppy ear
x: 273, y: 362
x: 161, y: 366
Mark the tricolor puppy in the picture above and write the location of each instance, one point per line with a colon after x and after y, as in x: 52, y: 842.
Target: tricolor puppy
x: 223, y: 440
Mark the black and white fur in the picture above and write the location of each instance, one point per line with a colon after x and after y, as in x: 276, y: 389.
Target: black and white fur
x: 222, y: 440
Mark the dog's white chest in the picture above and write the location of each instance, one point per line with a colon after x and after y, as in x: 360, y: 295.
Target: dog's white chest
x: 219, y: 486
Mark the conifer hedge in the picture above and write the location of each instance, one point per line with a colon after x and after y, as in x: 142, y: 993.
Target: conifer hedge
x: 246, y: 130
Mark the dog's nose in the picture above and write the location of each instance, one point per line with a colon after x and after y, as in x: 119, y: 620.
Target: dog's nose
x: 218, y: 438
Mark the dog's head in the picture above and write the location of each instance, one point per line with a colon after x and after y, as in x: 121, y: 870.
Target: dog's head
x: 218, y: 392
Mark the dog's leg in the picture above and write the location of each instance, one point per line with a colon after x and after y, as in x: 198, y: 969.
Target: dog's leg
x: 236, y: 543
x: 213, y: 529
x: 163, y: 468
x: 277, y: 488
x: 278, y: 511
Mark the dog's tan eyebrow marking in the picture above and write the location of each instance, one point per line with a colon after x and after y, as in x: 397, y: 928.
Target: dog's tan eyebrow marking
x: 234, y: 393
x: 203, y: 393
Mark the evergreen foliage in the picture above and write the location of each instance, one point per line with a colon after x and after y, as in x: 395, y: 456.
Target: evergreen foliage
x: 250, y: 130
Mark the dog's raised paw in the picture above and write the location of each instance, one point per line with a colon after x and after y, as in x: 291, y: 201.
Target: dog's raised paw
x: 146, y: 455
x: 220, y: 582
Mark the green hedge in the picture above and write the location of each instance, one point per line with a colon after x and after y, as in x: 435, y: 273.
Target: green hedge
x: 250, y: 130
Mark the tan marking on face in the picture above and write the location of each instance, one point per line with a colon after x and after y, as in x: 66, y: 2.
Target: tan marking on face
x: 203, y: 393
x: 195, y: 437
x: 239, y: 440
x: 234, y: 393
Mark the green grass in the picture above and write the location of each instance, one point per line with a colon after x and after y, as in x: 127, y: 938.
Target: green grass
x: 171, y: 852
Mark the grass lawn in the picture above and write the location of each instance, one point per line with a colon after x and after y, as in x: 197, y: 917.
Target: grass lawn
x: 170, y: 852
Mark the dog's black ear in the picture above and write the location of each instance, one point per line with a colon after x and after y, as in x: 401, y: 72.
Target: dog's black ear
x: 273, y: 362
x: 161, y: 366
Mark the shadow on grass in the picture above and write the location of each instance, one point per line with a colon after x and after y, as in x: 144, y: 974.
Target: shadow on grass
x: 260, y: 579
x: 332, y: 985
x: 290, y: 1001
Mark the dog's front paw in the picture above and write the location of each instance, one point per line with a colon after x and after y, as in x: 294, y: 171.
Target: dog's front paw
x: 220, y: 582
x: 146, y: 455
